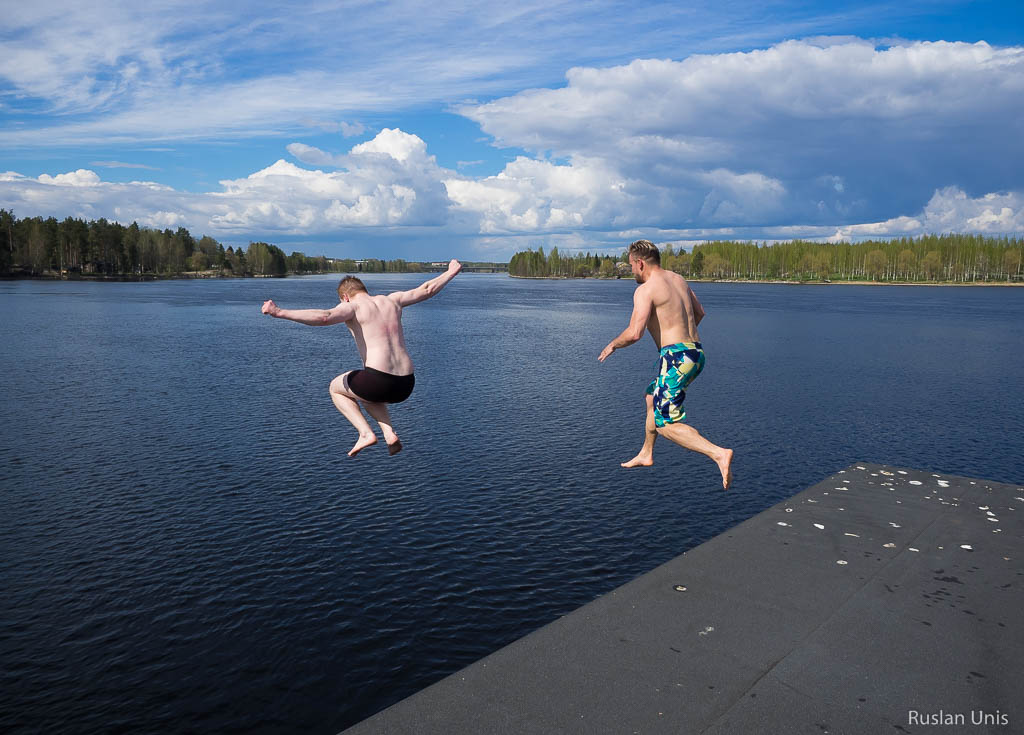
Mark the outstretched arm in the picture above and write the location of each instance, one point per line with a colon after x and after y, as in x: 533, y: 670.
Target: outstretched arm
x: 428, y: 289
x: 313, y: 317
x: 642, y: 306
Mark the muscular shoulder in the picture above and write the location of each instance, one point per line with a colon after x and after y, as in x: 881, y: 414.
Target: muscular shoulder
x: 645, y: 292
x: 675, y: 279
x: 663, y: 286
x: 677, y: 283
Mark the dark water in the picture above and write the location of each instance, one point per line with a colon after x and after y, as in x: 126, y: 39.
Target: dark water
x: 186, y: 547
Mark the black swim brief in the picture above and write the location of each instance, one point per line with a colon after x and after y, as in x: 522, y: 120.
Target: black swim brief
x: 380, y: 387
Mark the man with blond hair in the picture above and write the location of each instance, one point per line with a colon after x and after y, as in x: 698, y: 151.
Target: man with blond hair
x: 665, y: 306
x: 376, y: 325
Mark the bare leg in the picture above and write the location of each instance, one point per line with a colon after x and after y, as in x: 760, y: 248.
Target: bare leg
x: 688, y: 437
x: 346, y: 402
x: 379, y: 411
x: 646, y: 456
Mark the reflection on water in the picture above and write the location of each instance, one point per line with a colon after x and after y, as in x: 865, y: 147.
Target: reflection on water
x: 188, y: 547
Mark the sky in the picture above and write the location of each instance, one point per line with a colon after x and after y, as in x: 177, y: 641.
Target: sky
x: 430, y: 130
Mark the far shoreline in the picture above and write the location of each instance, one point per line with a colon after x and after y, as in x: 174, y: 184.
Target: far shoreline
x: 778, y: 282
x: 199, y: 276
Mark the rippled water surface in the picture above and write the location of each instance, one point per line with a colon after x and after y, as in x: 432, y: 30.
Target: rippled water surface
x: 187, y: 547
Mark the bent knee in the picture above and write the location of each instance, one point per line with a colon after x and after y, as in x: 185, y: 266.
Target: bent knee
x: 338, y: 384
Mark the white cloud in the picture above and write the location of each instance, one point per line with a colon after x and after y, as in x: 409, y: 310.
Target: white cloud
x: 843, y: 130
x: 119, y: 67
x: 532, y: 195
x: 388, y: 181
x: 710, y: 95
x: 952, y: 210
x: 391, y: 181
x: 394, y: 143
x: 81, y: 177
x: 804, y: 139
x: 827, y: 136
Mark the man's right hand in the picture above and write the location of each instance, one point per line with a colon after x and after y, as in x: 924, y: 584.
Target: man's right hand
x: 454, y: 267
x: 269, y: 307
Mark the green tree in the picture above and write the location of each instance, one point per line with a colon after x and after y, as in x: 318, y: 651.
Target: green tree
x: 37, y: 260
x: 554, y: 263
x: 907, y: 264
x: 875, y: 263
x: 715, y: 265
x: 209, y: 247
x: 258, y: 256
x: 931, y: 264
x: 823, y: 265
x: 297, y: 263
x: 809, y: 265
x: 243, y: 263
x: 131, y: 242
x: 681, y: 263
x: 1012, y: 262
x: 199, y: 261
x: 7, y: 234
x: 697, y: 264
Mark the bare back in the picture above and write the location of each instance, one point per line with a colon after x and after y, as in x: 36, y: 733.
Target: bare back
x: 377, y: 330
x: 675, y: 309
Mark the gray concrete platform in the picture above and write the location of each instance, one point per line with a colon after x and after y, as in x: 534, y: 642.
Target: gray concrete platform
x: 874, y: 595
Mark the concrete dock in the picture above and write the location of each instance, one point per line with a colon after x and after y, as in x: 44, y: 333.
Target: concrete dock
x: 880, y: 600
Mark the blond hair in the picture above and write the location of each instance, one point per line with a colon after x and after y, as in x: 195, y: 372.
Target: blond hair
x: 645, y: 250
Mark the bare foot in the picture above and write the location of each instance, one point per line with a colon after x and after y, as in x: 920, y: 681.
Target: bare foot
x: 640, y: 460
x: 362, y: 443
x: 394, y: 447
x: 725, y: 466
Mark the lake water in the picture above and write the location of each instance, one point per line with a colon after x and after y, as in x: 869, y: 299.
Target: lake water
x: 187, y: 547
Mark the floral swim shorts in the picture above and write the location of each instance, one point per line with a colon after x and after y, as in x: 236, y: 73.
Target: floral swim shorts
x: 678, y: 365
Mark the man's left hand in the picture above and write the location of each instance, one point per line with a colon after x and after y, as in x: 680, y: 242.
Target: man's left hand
x: 605, y: 352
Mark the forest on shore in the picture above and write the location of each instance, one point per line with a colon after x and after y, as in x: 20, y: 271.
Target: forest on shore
x: 37, y: 247
x: 947, y: 258
x: 72, y: 247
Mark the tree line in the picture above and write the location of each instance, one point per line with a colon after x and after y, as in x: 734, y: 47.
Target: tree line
x: 34, y: 246
x: 949, y: 258
x: 37, y: 246
x: 535, y: 264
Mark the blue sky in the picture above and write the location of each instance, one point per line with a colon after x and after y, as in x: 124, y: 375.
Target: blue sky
x: 427, y: 130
